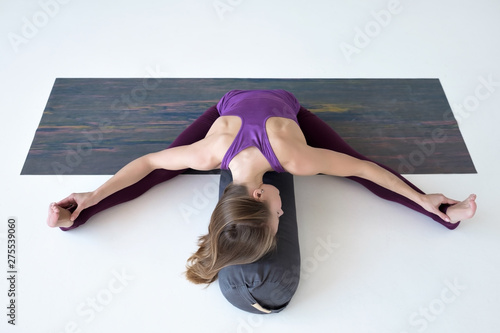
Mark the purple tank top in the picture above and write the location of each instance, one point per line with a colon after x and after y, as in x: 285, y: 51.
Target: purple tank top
x: 254, y: 107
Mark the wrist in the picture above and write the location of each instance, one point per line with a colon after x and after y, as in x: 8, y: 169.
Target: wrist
x: 95, y: 197
x: 420, y: 199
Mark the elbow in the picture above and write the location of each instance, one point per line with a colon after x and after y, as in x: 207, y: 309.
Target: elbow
x: 363, y: 169
x: 148, y: 163
x: 203, y: 163
x: 301, y: 168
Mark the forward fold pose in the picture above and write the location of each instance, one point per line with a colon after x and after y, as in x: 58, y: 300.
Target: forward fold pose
x: 252, y: 132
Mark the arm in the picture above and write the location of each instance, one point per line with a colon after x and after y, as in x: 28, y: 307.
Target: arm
x: 315, y: 160
x: 198, y: 155
x: 195, y: 156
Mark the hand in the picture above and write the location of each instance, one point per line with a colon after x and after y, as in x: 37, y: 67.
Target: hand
x: 431, y: 203
x: 78, y: 200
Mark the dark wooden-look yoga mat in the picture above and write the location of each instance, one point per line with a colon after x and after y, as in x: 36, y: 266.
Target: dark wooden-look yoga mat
x: 96, y: 126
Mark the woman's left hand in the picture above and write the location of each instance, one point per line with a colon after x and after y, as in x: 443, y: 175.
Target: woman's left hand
x: 432, y: 202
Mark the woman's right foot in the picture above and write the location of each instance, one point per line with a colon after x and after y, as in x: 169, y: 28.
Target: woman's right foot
x: 462, y: 210
x: 59, y: 217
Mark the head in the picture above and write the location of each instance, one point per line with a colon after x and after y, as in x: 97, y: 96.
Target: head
x: 270, y: 195
x: 242, y: 230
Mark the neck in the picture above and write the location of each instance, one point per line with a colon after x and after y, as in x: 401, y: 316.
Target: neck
x: 248, y: 176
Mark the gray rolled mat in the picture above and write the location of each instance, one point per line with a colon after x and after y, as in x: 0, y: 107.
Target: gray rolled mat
x: 267, y: 285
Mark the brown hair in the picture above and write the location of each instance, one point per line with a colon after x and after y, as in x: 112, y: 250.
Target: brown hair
x: 239, y: 233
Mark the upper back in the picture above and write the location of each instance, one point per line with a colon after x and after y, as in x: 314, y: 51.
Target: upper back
x: 254, y: 108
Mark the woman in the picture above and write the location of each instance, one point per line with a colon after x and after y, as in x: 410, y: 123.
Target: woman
x: 250, y: 133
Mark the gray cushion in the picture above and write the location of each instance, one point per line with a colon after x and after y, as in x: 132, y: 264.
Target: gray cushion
x: 267, y: 285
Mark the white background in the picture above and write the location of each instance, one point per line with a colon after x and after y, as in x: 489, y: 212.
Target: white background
x: 391, y: 268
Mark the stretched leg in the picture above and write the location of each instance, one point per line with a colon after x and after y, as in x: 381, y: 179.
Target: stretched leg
x: 195, y: 132
x: 320, y: 135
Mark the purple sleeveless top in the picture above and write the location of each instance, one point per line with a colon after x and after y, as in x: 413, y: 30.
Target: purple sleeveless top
x: 254, y: 107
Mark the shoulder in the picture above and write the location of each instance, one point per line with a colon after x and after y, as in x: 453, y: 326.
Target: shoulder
x: 299, y: 159
x: 223, y: 102
x: 201, y: 155
x: 207, y: 154
x: 304, y: 160
x: 294, y: 155
x: 288, y: 143
x: 289, y: 98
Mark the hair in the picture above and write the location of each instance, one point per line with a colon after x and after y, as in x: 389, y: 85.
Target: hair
x: 239, y: 233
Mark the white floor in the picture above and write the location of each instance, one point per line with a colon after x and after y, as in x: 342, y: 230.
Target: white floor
x: 387, y: 269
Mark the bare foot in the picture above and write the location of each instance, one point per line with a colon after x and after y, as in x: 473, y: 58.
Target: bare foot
x: 58, y: 217
x: 462, y: 210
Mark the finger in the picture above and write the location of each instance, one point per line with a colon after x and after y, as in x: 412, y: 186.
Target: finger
x: 65, y: 203
x: 75, y: 214
x: 69, y: 200
x: 443, y: 216
x: 450, y: 201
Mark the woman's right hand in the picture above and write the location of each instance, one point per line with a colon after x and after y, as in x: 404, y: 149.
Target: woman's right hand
x: 432, y: 202
x: 78, y: 200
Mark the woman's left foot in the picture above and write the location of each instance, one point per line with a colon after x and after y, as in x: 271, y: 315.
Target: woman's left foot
x: 462, y: 210
x: 58, y: 217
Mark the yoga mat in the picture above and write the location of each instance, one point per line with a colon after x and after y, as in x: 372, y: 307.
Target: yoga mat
x: 96, y: 126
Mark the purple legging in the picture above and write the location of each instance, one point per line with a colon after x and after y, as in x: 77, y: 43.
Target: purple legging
x: 318, y: 134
